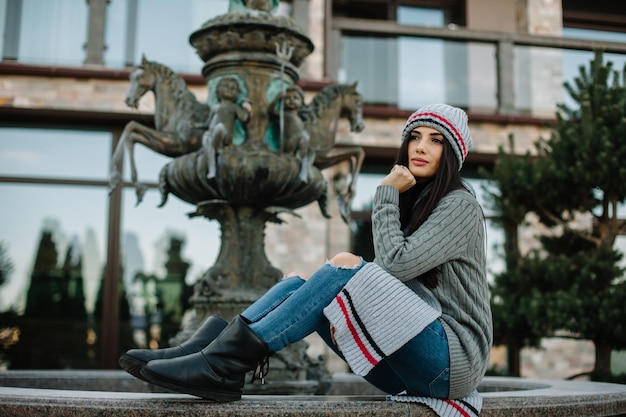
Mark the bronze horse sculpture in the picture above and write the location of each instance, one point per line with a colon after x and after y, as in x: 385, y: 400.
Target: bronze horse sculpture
x: 180, y: 122
x: 321, y: 117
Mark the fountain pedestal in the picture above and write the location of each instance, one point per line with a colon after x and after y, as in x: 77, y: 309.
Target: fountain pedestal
x: 247, y: 173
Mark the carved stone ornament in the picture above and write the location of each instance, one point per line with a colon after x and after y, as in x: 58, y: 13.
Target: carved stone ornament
x: 250, y: 32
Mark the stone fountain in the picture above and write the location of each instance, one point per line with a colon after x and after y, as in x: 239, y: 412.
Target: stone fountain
x: 253, y: 152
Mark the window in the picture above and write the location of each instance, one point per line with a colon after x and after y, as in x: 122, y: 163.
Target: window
x: 405, y: 63
x: 58, y: 153
x: 453, y: 10
x: 54, y: 236
x: 136, y: 27
x: 147, y: 231
x: 542, y: 71
x: 57, y: 249
x: 54, y: 220
x: 55, y: 32
x: 32, y: 211
x: 164, y: 253
x: 408, y: 72
x: 373, y: 63
x: 44, y: 32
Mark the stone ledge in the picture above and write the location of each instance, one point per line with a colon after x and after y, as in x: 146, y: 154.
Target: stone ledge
x: 36, y: 402
x: 502, y: 397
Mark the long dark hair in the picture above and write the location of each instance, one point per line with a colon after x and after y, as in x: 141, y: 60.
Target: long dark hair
x: 418, y: 202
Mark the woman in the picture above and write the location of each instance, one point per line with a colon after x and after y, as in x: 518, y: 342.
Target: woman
x: 415, y: 321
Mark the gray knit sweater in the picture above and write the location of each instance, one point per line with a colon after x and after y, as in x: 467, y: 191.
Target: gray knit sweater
x: 452, y: 239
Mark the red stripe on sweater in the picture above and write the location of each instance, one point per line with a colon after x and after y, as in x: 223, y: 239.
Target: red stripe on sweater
x: 457, y: 407
x: 354, y: 333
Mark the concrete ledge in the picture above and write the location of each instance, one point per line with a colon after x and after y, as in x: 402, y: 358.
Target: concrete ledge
x: 502, y: 397
x: 29, y: 402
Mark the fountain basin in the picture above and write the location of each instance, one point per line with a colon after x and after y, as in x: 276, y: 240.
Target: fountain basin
x: 105, y: 393
x: 254, y: 177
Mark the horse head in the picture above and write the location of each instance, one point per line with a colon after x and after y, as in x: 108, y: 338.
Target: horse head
x: 352, y: 108
x: 142, y: 80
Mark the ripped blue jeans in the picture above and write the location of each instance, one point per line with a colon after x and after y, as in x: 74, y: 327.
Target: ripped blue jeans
x: 293, y: 309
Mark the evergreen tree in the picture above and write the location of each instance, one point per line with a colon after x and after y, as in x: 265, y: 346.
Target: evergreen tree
x: 574, y: 185
x: 582, y: 171
x: 511, y: 178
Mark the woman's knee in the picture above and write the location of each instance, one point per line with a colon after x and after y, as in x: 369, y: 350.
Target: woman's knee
x: 346, y: 260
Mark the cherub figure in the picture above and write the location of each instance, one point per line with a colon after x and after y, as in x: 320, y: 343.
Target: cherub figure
x: 221, y: 123
x: 293, y: 135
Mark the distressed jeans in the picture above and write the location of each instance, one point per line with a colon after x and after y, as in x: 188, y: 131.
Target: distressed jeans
x: 293, y: 309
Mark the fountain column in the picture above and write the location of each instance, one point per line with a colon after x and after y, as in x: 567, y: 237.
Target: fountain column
x: 254, y: 181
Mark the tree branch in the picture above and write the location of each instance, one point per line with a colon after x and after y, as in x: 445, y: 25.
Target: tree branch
x: 565, y: 225
x: 621, y: 229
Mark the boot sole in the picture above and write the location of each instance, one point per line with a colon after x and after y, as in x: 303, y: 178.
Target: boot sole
x: 213, y: 395
x: 132, y: 365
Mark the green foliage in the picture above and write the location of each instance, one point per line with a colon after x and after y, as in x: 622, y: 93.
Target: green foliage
x: 573, y: 283
x: 578, y: 290
x: 581, y: 166
x: 513, y: 176
x: 510, y: 298
x: 6, y: 264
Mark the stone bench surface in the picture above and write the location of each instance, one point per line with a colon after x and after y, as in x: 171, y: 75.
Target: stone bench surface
x: 502, y: 397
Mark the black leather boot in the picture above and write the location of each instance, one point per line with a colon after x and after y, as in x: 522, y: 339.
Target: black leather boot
x: 217, y: 372
x: 133, y: 360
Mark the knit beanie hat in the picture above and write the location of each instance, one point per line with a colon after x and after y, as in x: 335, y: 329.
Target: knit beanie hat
x: 450, y: 121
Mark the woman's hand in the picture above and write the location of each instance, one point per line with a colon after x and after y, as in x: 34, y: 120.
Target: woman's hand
x: 400, y: 178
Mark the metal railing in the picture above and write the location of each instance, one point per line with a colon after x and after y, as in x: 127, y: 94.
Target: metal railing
x: 504, y: 43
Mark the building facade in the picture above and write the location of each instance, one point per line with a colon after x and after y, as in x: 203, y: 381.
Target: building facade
x: 63, y: 79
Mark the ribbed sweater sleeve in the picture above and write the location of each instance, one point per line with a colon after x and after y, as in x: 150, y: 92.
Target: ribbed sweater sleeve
x: 442, y: 237
x: 452, y: 239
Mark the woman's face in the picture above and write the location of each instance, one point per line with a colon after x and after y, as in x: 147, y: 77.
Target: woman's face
x: 424, y: 152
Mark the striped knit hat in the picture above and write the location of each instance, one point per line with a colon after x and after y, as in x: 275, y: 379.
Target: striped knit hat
x: 450, y: 121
